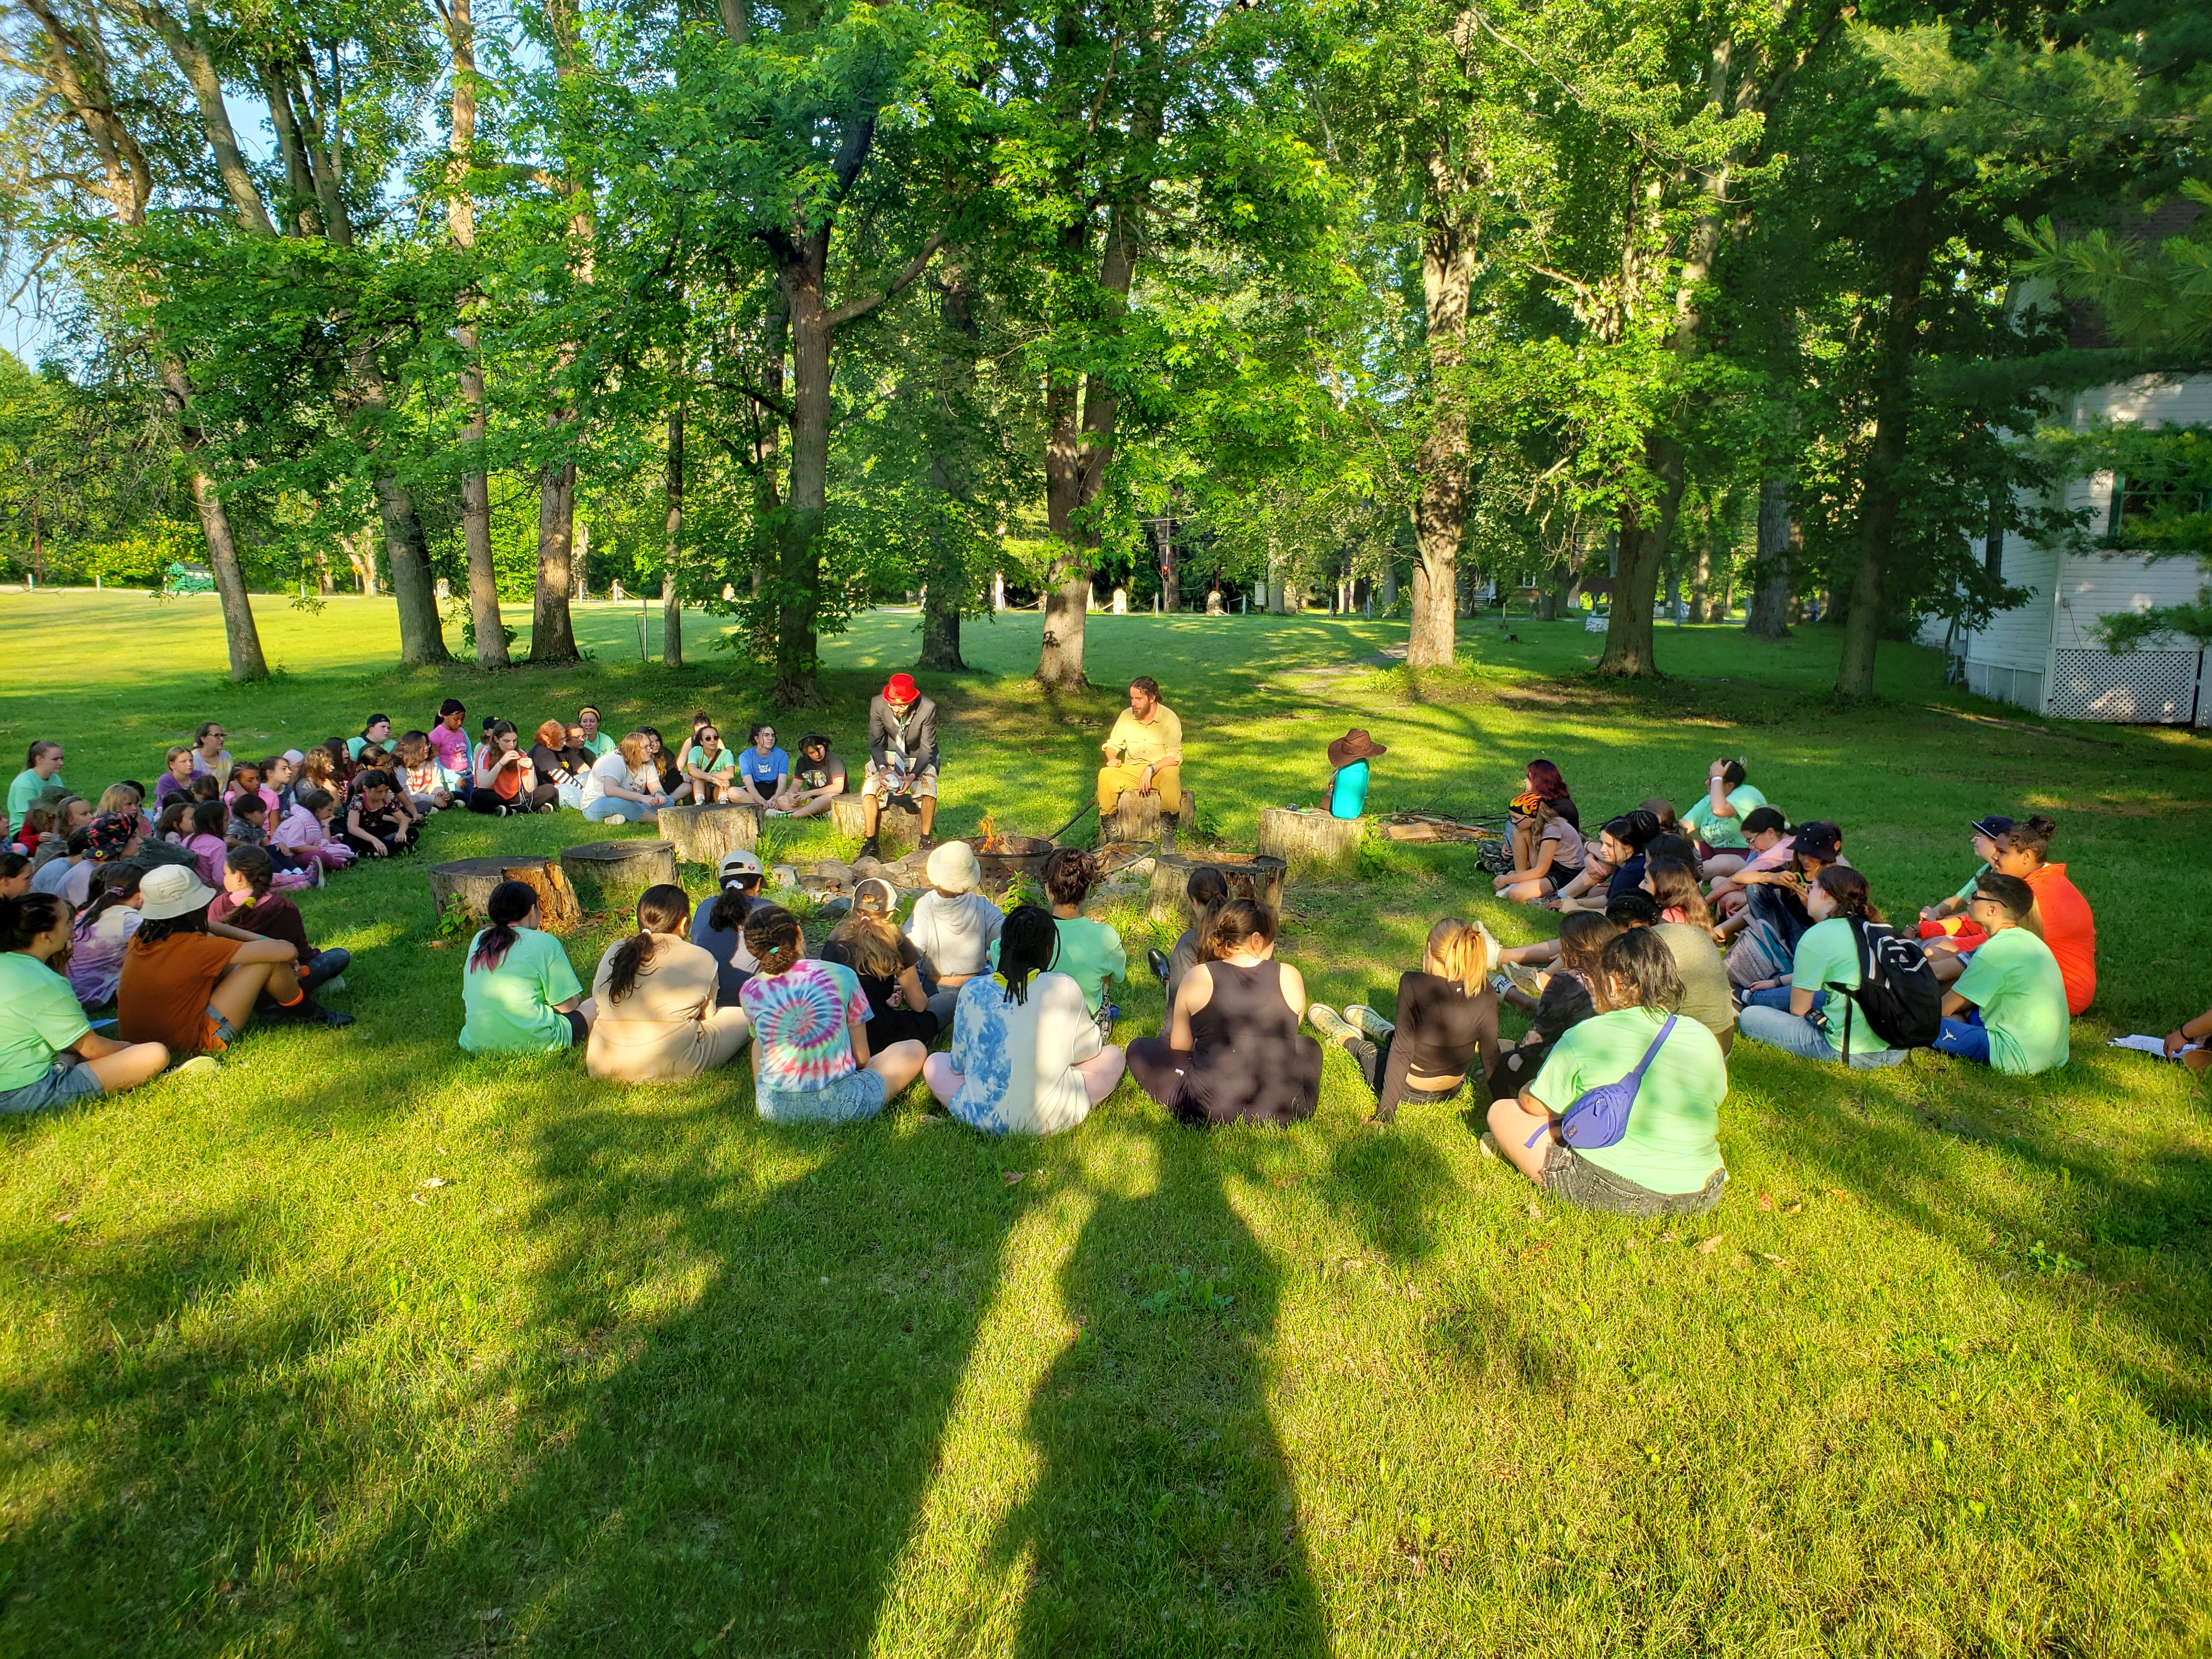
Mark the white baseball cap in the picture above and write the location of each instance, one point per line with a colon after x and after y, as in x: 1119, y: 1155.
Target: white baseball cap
x: 733, y: 865
x: 171, y: 891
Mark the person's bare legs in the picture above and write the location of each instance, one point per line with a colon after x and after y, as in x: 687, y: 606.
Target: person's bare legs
x: 927, y: 806
x: 1541, y: 954
x: 944, y: 1082
x: 1723, y: 864
x: 243, y: 983
x: 871, y: 809
x: 1527, y: 893
x: 1512, y: 1127
x: 126, y: 1068
x: 898, y: 1066
x: 1103, y: 1071
x: 1946, y: 965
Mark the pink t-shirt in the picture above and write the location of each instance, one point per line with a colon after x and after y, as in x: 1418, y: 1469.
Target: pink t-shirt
x: 452, y: 747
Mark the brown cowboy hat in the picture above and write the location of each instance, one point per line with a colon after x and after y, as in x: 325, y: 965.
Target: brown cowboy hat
x: 1354, y: 745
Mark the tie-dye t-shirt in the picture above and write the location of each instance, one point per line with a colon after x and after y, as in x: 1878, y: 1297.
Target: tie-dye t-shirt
x: 798, y: 1020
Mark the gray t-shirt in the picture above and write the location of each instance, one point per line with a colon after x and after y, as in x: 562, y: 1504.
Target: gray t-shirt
x: 955, y: 934
x: 1703, y: 974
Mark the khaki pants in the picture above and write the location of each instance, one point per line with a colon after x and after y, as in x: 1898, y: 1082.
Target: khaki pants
x: 1167, y: 783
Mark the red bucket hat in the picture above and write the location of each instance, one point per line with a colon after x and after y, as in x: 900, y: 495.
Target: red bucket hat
x: 900, y: 690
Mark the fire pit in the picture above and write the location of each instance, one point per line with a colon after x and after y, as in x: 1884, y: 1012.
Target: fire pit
x: 1006, y: 856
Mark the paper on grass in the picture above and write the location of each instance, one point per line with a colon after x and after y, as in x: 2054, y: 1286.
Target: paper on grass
x: 2149, y: 1045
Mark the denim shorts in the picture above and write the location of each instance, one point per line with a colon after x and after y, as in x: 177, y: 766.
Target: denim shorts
x: 65, y: 1080
x: 855, y: 1095
x: 1582, y: 1183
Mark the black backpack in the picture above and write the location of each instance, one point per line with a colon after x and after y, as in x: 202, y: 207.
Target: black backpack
x: 1897, y: 991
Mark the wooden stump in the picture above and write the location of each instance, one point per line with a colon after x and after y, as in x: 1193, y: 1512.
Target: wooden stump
x: 1250, y: 875
x: 558, y: 909
x: 1139, y: 818
x: 899, y: 828
x: 709, y: 834
x: 1312, y: 843
x: 468, y: 882
x: 608, y: 873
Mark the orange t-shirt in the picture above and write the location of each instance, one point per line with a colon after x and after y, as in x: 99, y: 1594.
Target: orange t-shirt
x: 163, y: 993
x: 2069, y: 930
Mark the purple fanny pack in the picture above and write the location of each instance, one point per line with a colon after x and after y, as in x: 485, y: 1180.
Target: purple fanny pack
x: 1598, y: 1116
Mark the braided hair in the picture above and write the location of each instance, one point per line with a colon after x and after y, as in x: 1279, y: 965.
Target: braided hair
x: 1028, y: 943
x: 772, y: 934
x: 1069, y: 874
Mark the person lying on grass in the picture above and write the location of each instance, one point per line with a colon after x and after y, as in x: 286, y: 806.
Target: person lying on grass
x: 811, y: 1057
x: 192, y: 984
x: 1557, y: 851
x: 660, y: 1019
x: 1799, y: 1012
x: 1447, y: 1020
x: 1667, y: 1160
x: 1716, y: 817
x: 2061, y: 917
x: 519, y: 993
x: 1027, y: 1057
x: 2008, y: 1009
x: 49, y: 1053
x: 1232, y: 1052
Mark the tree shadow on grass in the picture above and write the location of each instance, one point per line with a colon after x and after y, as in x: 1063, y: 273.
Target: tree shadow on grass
x: 1165, y: 1518
x: 2141, y: 1222
x: 744, y: 1348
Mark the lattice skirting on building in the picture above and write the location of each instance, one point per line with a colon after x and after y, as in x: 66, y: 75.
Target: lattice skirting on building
x: 2135, y: 687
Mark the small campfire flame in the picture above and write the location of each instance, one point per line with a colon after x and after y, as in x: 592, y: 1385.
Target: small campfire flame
x: 989, y: 841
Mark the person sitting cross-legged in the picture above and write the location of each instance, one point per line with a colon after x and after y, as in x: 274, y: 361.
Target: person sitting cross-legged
x: 1447, y: 1021
x: 1027, y: 1057
x: 659, y: 1017
x: 1232, y: 1052
x: 1823, y: 970
x: 50, y: 1055
x: 2009, y: 1008
x: 519, y: 993
x: 810, y: 1058
x: 1667, y: 1159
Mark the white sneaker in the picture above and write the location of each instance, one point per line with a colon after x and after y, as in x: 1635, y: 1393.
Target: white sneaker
x: 200, y: 1065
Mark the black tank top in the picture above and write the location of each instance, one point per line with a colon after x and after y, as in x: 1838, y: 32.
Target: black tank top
x: 1248, y: 1060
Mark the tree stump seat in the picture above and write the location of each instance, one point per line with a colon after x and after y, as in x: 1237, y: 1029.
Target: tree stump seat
x: 708, y: 833
x: 899, y: 826
x: 1312, y: 843
x: 1139, y: 818
x: 468, y: 883
x: 1254, y: 876
x: 608, y: 873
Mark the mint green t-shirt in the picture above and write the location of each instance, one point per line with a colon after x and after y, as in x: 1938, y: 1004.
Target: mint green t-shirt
x: 1828, y: 954
x: 2013, y: 978
x: 602, y: 744
x: 23, y: 793
x: 1966, y: 895
x: 1716, y: 830
x: 1673, y: 1142
x: 40, y: 1016
x: 510, y: 1007
x: 1091, y: 953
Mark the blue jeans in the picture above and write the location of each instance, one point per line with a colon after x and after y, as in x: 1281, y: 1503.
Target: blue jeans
x: 1964, y: 1036
x: 1793, y: 1034
x: 855, y: 1095
x: 1779, y: 997
x: 323, y: 967
x: 614, y: 806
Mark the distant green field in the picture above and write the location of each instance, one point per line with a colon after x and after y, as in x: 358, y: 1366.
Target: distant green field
x: 645, y: 1375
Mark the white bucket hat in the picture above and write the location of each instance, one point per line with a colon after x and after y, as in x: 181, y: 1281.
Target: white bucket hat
x: 952, y: 866
x: 171, y: 891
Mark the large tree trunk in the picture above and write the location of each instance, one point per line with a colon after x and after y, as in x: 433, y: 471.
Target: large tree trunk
x: 407, y: 556
x: 1645, y: 530
x: 1766, y: 616
x: 1448, y: 256
x: 945, y: 582
x: 1068, y: 582
x: 552, y: 630
x: 1911, y: 241
x: 807, y: 501
x: 242, y: 636
x: 671, y: 590
x: 461, y: 224
x: 1701, y: 569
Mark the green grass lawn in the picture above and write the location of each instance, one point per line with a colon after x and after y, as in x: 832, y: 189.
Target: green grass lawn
x: 644, y: 1375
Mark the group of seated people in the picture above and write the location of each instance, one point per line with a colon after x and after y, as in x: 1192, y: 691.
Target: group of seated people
x: 1676, y: 936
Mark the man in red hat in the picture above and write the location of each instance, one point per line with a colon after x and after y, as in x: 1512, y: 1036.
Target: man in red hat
x: 901, y: 758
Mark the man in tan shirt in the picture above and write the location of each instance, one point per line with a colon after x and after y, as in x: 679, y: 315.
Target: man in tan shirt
x: 1145, y: 750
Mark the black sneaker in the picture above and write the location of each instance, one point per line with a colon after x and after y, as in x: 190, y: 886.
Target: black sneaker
x: 926, y: 844
x: 869, y: 849
x: 1156, y: 960
x: 308, y: 1011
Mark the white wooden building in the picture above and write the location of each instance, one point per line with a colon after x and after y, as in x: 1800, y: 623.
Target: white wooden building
x: 2045, y: 654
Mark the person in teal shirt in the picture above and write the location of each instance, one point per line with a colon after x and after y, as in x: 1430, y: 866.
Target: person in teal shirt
x: 595, y: 740
x: 42, y: 771
x: 1348, y: 758
x: 2008, y: 1009
x: 519, y: 993
x: 1718, y: 819
x: 1090, y: 953
x: 1824, y: 970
